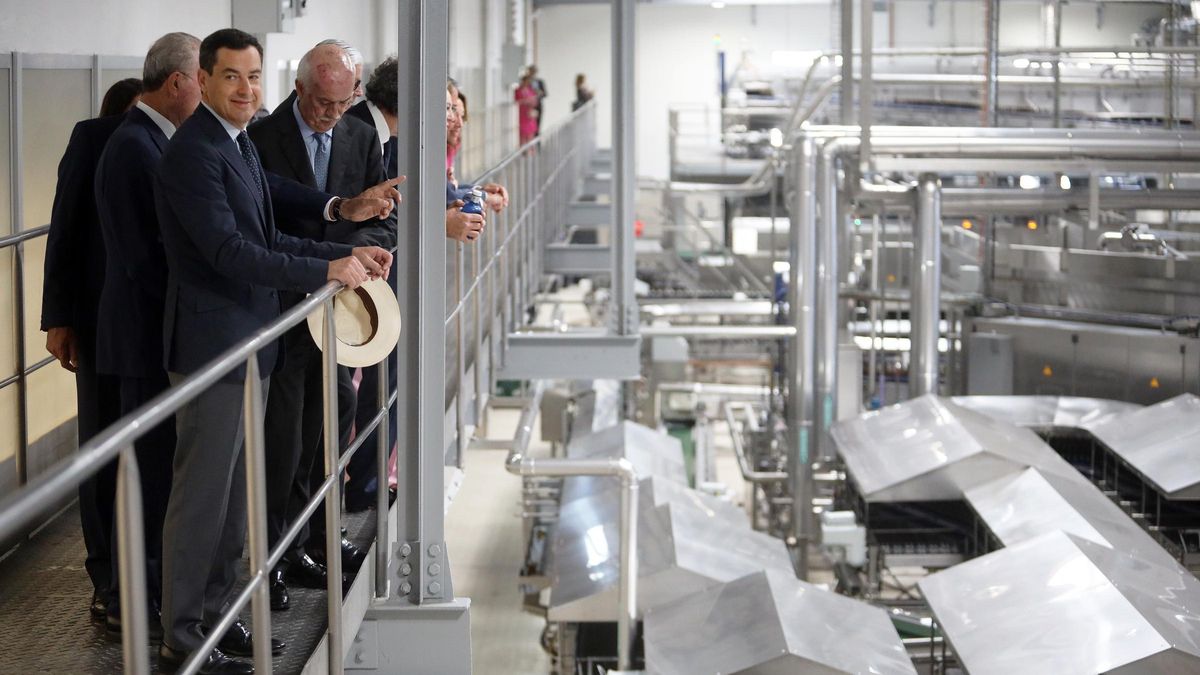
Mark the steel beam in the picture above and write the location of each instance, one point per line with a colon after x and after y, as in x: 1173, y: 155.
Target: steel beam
x: 572, y: 356
x: 624, y: 313
x: 589, y: 213
x: 578, y: 259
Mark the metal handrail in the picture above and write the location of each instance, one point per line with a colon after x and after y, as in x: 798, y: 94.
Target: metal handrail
x: 21, y: 508
x: 24, y: 370
x: 116, y: 442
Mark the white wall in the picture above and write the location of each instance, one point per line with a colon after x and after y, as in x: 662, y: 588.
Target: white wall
x: 128, y: 27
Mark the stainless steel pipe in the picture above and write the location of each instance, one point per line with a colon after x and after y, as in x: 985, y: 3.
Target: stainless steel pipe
x: 519, y: 464
x: 925, y: 309
x: 802, y: 309
x: 739, y: 449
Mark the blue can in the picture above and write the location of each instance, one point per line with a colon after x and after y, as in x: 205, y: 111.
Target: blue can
x: 473, y: 203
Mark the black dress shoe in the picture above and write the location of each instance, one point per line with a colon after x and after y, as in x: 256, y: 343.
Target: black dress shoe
x: 352, y: 556
x: 112, y: 625
x: 99, y: 606
x: 280, y: 600
x: 306, y: 572
x: 171, y: 660
x: 239, y: 642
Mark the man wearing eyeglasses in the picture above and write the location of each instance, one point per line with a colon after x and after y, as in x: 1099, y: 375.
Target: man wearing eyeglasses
x: 309, y: 139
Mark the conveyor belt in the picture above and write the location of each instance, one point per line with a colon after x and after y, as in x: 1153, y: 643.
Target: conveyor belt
x: 44, y: 596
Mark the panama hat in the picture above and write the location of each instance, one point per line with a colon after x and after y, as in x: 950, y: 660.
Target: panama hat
x: 366, y: 321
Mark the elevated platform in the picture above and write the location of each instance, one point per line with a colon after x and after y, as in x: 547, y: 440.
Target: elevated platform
x: 44, y: 596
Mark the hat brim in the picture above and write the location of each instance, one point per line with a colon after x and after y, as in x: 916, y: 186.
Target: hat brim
x: 381, y: 343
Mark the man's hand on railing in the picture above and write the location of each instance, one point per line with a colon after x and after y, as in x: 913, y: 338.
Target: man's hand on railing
x: 376, y: 261
x: 62, y: 343
x: 497, y: 196
x: 464, y: 227
x: 348, y: 270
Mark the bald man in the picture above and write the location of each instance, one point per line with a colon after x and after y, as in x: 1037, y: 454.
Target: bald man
x: 310, y: 140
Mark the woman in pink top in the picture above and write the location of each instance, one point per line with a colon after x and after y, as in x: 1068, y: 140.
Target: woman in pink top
x: 526, y: 98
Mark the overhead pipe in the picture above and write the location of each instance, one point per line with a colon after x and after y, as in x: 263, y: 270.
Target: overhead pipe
x: 520, y: 464
x: 1008, y: 201
x: 924, y: 308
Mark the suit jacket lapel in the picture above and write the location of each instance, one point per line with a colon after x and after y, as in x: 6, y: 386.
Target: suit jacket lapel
x: 339, y: 158
x: 229, y: 151
x: 293, y: 147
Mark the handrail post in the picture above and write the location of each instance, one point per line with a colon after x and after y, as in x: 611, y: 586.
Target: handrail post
x: 460, y: 406
x: 627, y: 584
x: 256, y: 508
x: 383, y: 449
x: 333, y: 501
x: 131, y: 540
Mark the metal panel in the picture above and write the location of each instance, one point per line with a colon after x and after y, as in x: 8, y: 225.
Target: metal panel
x: 578, y: 259
x: 653, y: 455
x: 589, y: 213
x: 1159, y: 442
x: 1060, y: 604
x: 929, y: 449
x: 1046, y: 412
x: 1022, y: 506
x: 769, y: 622
x: 571, y: 356
x: 683, y: 547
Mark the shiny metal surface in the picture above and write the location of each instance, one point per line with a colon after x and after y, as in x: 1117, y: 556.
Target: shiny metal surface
x: 1046, y: 412
x: 1061, y: 604
x: 653, y: 455
x: 1161, y: 442
x: 771, y: 622
x: 1028, y: 504
x: 1071, y: 358
x: 686, y: 543
x: 931, y: 449
x: 926, y: 278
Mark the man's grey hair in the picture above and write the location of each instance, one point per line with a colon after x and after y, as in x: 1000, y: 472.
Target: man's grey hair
x: 356, y: 56
x: 170, y: 53
x: 305, y: 73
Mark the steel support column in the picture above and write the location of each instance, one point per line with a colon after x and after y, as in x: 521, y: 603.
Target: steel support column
x: 421, y: 627
x: 847, y: 45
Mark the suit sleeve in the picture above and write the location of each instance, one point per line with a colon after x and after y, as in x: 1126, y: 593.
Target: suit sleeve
x: 192, y: 186
x: 295, y: 201
x: 375, y: 232
x: 125, y: 199
x: 63, y: 257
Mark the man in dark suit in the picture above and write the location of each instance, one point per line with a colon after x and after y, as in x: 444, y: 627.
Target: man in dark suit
x: 129, y: 333
x: 74, y: 274
x: 226, y: 260
x: 310, y: 141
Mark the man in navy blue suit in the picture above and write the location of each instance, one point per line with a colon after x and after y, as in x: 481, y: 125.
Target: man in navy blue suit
x: 129, y: 332
x: 227, y: 262
x: 74, y: 274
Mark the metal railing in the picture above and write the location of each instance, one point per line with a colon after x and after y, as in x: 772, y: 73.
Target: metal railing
x: 23, y: 368
x: 542, y: 173
x: 541, y: 177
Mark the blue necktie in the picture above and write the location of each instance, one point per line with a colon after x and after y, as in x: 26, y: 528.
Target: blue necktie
x: 320, y: 161
x: 243, y: 141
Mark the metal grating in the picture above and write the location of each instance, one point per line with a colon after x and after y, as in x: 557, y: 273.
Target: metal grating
x: 44, y: 596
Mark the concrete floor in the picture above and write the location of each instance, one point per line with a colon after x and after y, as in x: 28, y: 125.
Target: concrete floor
x: 485, y: 543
